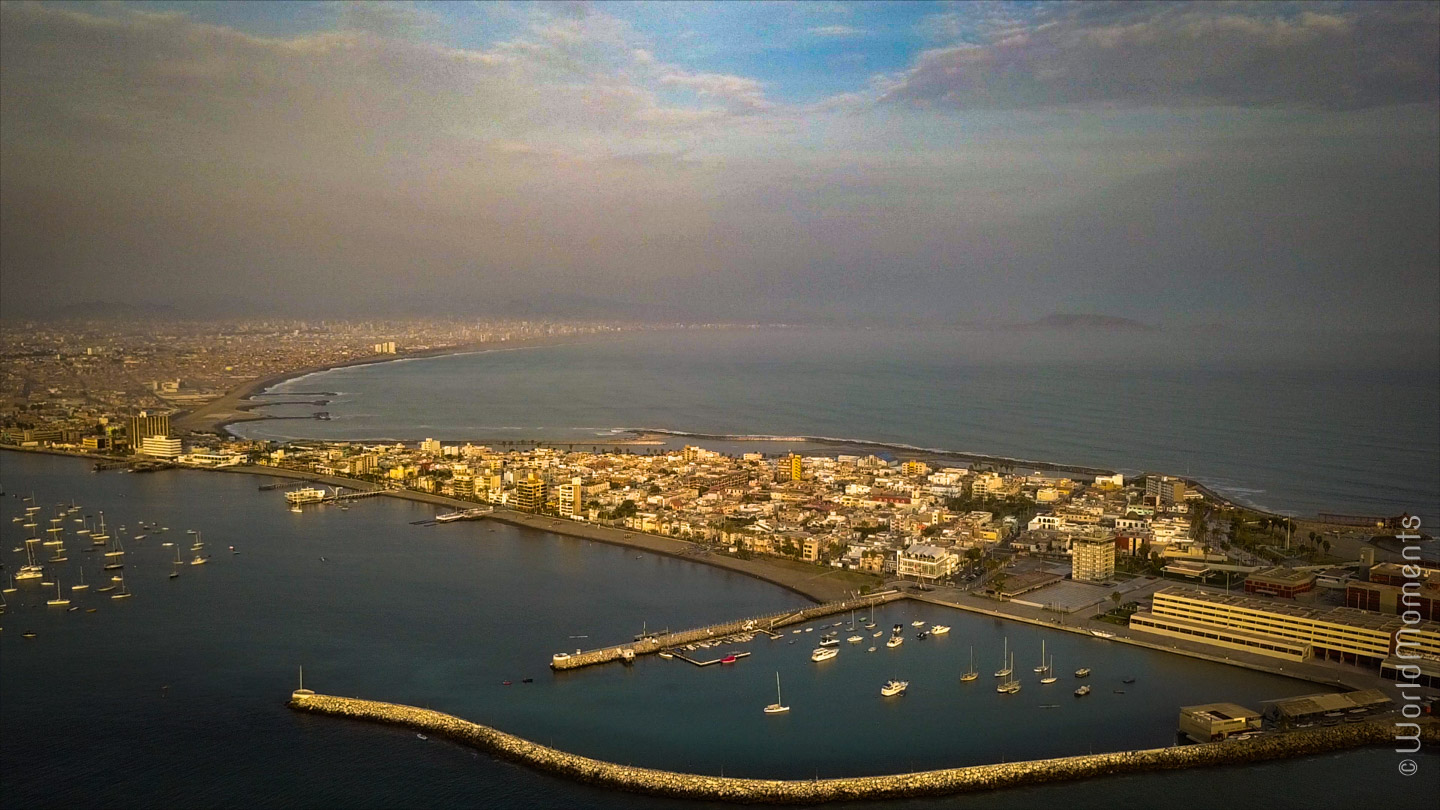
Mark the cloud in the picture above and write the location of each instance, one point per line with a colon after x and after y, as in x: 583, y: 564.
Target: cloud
x: 149, y: 155
x: 738, y: 92
x: 1186, y: 55
x: 836, y: 31
x: 391, y: 19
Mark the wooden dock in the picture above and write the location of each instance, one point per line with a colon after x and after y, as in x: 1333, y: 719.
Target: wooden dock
x: 687, y: 659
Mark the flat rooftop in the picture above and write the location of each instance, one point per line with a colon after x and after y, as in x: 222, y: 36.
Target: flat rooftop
x: 1353, y: 617
x: 1220, y: 711
x: 1306, y: 705
x: 1282, y: 576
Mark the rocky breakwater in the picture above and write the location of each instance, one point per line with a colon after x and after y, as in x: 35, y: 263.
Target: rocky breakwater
x: 926, y: 783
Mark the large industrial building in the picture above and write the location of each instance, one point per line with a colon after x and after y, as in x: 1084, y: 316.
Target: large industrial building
x: 1285, y: 630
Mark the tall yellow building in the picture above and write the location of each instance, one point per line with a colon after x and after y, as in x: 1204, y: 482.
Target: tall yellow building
x: 797, y: 467
x: 572, y: 498
x: 1092, y: 558
x: 530, y: 493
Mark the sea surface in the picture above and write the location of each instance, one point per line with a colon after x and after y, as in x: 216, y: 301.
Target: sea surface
x: 176, y: 696
x: 1299, y: 425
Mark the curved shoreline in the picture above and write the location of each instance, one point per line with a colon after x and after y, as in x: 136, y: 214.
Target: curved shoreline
x: 228, y: 409
x: 916, y: 450
x: 942, y: 782
x: 237, y: 406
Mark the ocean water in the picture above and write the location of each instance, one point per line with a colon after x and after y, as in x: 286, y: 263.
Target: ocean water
x: 175, y: 697
x: 1332, y: 425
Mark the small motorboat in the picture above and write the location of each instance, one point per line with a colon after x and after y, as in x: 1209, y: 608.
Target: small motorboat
x: 893, y: 688
x: 422, y: 736
x: 1128, y: 680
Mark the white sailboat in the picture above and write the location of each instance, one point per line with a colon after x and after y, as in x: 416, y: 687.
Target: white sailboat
x: 124, y: 593
x: 58, y: 600
x: 1048, y: 676
x: 1041, y: 668
x: 99, y: 537
x: 777, y: 707
x: 82, y: 586
x: 1005, y: 668
x: 197, y: 547
x: 32, y: 570
x: 11, y: 587
x: 970, y: 674
x: 115, y: 557
x: 1011, y: 685
x: 175, y: 569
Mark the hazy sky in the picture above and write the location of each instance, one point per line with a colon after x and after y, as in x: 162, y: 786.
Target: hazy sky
x: 1179, y: 164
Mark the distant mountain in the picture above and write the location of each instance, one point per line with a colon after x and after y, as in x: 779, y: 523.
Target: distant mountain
x: 1075, y: 322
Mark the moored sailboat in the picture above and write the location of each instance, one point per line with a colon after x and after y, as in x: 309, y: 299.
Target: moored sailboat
x: 196, y: 547
x: 1011, y: 685
x: 778, y: 707
x: 970, y: 674
x: 1005, y: 668
x: 1048, y: 676
x: 58, y: 600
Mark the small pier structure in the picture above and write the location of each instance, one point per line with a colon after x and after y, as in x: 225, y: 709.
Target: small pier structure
x: 767, y: 624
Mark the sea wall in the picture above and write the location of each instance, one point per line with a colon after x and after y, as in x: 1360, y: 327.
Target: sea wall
x: 927, y: 783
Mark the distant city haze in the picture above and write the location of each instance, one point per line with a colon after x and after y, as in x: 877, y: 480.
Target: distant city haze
x: 1191, y: 166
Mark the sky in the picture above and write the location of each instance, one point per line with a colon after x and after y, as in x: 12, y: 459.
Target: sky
x: 1187, y: 165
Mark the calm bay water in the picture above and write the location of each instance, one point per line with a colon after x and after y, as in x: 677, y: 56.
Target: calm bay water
x: 176, y: 696
x: 1332, y: 428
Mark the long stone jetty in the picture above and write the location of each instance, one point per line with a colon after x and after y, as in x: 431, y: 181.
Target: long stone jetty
x: 925, y: 783
x: 756, y: 624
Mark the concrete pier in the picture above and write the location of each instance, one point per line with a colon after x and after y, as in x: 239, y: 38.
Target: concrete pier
x: 767, y: 624
x: 926, y: 783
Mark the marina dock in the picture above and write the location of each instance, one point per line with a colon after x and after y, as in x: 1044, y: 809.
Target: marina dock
x: 687, y: 659
x: 767, y: 624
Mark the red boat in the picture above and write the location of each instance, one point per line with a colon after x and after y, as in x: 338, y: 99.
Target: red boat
x: 729, y: 659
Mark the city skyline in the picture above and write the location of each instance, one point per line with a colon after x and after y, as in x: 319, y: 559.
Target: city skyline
x: 1177, y: 164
